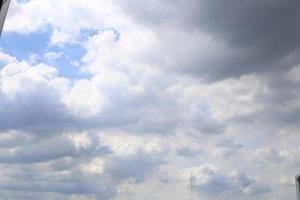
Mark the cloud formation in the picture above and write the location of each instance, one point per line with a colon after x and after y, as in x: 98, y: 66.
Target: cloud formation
x: 124, y: 99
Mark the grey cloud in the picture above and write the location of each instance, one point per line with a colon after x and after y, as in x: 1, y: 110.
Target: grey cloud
x: 276, y: 100
x: 51, y: 177
x: 271, y: 155
x: 11, y: 139
x: 228, y: 147
x: 38, y: 112
x: 257, y: 36
x: 64, y: 187
x: 44, y: 179
x: 229, y: 143
x: 188, y: 152
x: 217, y: 183
x: 137, y: 166
x: 207, y: 125
x: 46, y: 150
x: 62, y: 164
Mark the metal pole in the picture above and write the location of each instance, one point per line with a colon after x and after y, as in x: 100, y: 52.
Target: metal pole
x: 298, y: 186
x: 3, y: 11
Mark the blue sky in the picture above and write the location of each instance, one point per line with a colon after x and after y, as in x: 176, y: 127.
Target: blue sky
x: 125, y: 99
x: 27, y: 46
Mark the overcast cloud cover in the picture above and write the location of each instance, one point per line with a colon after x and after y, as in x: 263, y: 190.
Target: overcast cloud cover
x: 124, y: 99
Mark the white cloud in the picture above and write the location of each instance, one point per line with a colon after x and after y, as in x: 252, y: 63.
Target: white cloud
x: 96, y: 166
x: 128, y: 144
x: 52, y: 55
x: 81, y: 141
x: 84, y: 99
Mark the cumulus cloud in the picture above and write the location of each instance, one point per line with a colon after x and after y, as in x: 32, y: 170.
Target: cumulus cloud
x: 30, y: 98
x: 160, y: 88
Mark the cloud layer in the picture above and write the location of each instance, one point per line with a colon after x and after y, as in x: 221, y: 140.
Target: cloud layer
x: 130, y: 100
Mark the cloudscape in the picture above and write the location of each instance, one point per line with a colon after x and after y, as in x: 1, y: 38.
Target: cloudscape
x: 150, y: 100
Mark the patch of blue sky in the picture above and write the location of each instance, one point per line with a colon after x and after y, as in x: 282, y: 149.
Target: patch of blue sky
x: 22, y: 46
x: 86, y: 33
x: 69, y: 63
x: 22, y: 1
x: 25, y: 46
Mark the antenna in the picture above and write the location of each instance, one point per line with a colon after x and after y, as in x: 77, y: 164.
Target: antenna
x: 298, y: 186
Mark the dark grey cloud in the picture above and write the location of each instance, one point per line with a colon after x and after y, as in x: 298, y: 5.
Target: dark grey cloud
x: 39, y: 112
x: 257, y: 36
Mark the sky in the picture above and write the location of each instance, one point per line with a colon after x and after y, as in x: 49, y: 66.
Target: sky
x: 130, y: 99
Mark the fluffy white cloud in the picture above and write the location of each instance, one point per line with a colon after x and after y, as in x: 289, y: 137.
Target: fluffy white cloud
x: 84, y: 99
